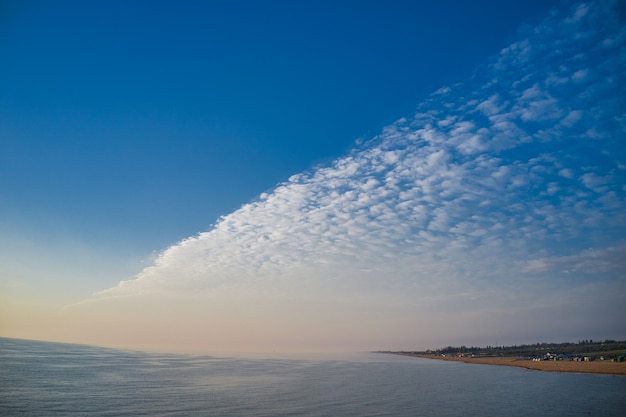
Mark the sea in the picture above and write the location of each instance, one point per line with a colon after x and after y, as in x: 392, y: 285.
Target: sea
x: 54, y: 379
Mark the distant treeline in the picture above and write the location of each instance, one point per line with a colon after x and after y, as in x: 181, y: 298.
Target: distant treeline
x: 583, y: 347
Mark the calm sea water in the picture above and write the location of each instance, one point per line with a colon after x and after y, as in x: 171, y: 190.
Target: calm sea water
x: 51, y: 379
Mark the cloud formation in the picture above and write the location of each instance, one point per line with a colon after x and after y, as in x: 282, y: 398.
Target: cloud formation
x: 502, y: 196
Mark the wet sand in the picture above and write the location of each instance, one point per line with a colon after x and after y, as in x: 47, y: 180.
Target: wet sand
x: 593, y: 367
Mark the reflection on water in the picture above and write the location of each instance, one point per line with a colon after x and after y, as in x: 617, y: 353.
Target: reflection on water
x: 51, y: 379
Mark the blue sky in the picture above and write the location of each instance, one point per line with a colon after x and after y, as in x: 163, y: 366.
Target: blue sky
x: 167, y: 116
x: 322, y: 176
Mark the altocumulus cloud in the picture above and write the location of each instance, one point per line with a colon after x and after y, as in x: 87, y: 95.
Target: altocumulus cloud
x: 496, y: 210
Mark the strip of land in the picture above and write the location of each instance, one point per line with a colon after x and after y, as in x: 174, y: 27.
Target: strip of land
x: 606, y: 367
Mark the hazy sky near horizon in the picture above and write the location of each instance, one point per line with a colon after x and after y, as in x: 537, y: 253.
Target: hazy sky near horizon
x: 320, y: 176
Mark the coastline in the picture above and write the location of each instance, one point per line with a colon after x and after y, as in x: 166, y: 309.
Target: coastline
x: 593, y: 367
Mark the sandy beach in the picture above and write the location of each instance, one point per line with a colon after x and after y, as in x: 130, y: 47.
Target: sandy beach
x: 594, y: 367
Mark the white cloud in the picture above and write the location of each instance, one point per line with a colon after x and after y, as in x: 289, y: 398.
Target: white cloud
x: 591, y: 261
x: 580, y: 11
x: 580, y: 75
x: 473, y: 195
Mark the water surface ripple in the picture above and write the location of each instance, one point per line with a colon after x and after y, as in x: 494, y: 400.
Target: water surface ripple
x: 58, y: 380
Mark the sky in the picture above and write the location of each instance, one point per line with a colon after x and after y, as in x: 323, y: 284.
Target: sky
x: 312, y: 176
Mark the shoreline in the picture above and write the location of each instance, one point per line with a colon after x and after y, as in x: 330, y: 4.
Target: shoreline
x: 593, y: 367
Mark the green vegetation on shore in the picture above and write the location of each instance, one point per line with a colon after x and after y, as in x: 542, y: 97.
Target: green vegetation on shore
x: 607, y: 349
